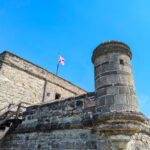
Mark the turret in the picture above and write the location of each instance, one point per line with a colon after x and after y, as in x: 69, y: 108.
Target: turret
x: 114, y: 83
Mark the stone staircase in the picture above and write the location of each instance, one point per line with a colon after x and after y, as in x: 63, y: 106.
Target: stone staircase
x: 11, y: 116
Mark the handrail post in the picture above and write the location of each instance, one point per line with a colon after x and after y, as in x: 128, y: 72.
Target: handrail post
x: 18, y: 110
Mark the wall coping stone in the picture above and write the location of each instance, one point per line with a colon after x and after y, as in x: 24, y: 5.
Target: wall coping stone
x: 43, y: 104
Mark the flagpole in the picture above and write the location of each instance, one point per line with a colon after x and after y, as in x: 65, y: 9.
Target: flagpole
x: 57, y: 68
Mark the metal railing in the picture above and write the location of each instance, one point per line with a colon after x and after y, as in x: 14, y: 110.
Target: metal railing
x: 12, y: 111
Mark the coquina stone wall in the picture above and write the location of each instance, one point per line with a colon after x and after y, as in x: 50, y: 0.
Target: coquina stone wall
x: 21, y: 80
x: 113, y: 75
x: 73, y: 124
x: 108, y: 119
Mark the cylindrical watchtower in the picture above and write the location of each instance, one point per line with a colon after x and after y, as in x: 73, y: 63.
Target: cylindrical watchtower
x: 114, y: 83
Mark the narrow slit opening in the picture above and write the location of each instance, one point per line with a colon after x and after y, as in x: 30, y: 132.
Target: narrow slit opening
x: 121, y: 62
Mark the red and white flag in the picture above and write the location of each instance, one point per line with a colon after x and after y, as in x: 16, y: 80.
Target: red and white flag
x: 61, y: 60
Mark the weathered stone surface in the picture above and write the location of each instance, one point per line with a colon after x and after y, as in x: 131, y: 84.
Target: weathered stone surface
x: 107, y: 119
x: 70, y: 124
x: 21, y: 80
x: 114, y: 78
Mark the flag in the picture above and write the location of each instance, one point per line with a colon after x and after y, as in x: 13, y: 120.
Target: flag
x: 61, y: 60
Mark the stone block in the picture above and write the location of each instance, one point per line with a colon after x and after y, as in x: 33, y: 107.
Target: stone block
x: 123, y: 90
x: 120, y: 99
x: 112, y: 90
x: 120, y: 107
x: 83, y: 135
x: 100, y: 101
x: 80, y: 145
x: 91, y: 145
x: 101, y: 92
x: 89, y: 103
x: 129, y: 99
x: 103, y: 109
x: 109, y: 99
x: 132, y: 91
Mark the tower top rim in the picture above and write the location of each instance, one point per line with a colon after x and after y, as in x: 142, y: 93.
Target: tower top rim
x: 111, y: 46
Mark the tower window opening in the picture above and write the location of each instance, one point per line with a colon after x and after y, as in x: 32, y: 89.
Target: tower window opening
x: 121, y: 62
x: 57, y: 96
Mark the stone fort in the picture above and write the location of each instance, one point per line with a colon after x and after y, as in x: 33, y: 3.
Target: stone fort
x: 65, y: 117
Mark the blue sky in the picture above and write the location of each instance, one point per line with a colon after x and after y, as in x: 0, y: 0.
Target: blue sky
x: 37, y: 30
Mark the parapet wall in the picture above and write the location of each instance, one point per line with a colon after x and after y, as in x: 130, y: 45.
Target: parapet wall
x: 74, y: 112
x: 73, y: 123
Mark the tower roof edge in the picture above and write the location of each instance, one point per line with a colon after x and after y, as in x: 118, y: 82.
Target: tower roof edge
x: 111, y: 46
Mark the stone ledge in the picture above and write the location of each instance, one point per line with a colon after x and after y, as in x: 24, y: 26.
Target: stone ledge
x: 126, y: 115
x: 121, y: 123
